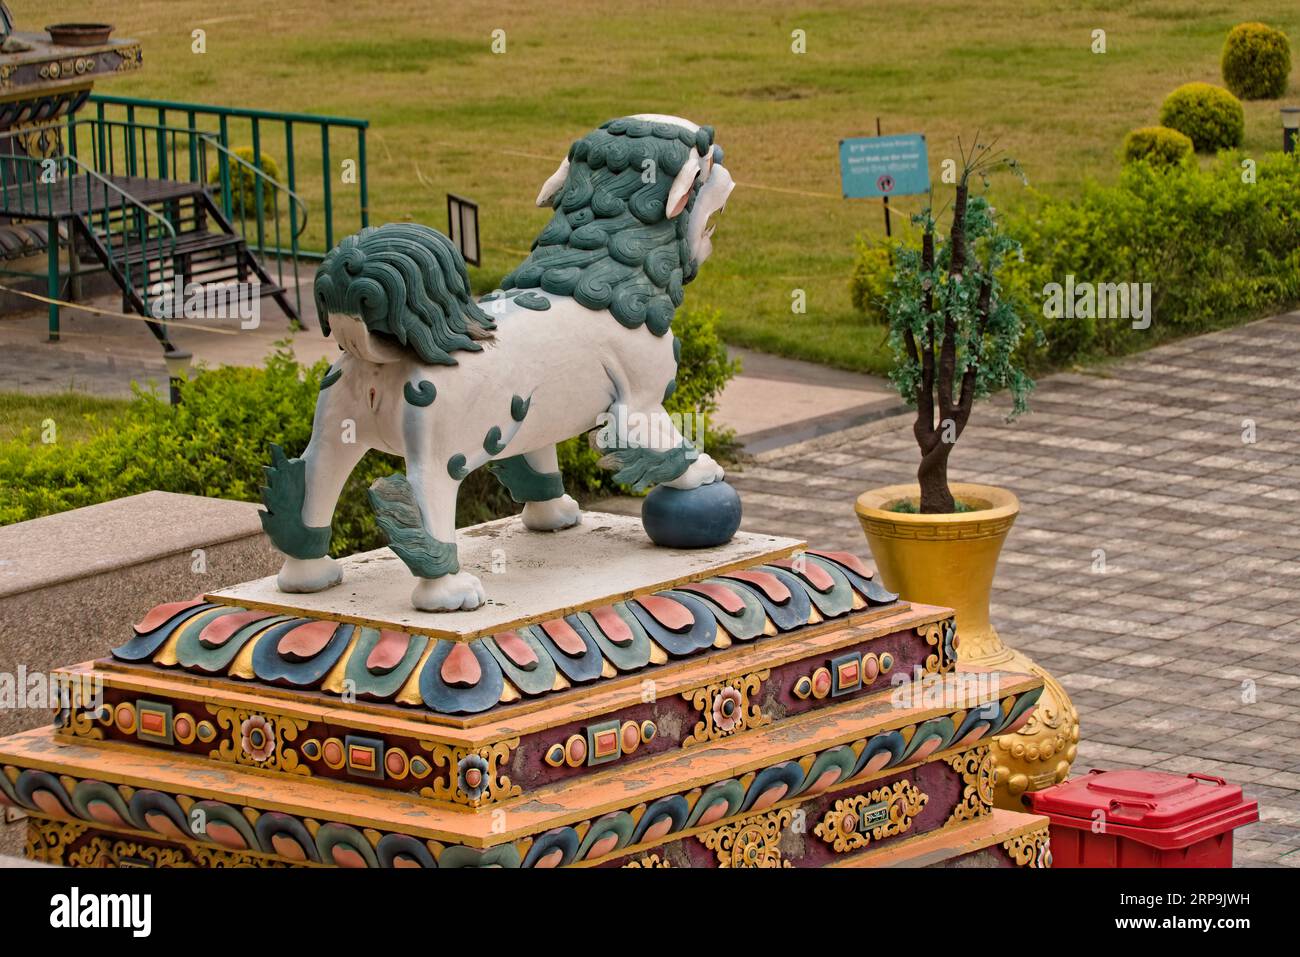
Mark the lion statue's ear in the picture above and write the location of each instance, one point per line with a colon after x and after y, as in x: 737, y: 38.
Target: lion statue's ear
x: 680, y: 193
x: 554, y: 184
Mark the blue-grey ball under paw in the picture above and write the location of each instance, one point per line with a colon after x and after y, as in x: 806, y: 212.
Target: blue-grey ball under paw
x: 703, y: 517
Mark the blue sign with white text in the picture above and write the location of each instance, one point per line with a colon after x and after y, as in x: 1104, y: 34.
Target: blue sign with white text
x: 875, y: 166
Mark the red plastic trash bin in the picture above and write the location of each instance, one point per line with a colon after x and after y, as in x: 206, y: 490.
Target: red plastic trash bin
x: 1143, y: 819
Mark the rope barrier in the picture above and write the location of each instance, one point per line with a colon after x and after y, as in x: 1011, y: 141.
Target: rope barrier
x: 95, y: 310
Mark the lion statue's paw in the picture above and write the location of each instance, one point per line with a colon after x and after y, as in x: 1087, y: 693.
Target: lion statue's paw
x: 702, y: 471
x: 301, y: 575
x: 457, y: 592
x: 552, y: 515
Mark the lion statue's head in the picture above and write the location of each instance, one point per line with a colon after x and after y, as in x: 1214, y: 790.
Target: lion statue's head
x: 632, y: 202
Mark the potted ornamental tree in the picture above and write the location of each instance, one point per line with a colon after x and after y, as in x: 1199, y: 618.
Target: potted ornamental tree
x: 955, y: 334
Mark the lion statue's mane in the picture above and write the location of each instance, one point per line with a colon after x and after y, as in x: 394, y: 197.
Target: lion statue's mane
x: 609, y: 244
x: 407, y: 283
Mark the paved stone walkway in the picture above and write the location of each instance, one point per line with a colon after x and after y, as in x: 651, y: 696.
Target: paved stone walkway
x: 1184, y: 654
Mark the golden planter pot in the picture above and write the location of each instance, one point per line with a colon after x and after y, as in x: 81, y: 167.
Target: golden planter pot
x: 950, y: 560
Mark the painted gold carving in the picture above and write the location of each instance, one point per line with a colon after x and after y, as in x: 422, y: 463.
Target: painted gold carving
x: 48, y: 841
x: 216, y: 857
x: 940, y: 635
x: 726, y: 708
x: 80, y: 723
x: 131, y: 58
x: 1039, y: 754
x: 977, y: 775
x: 259, y: 740
x: 101, y: 851
x: 853, y: 823
x: 64, y: 69
x: 753, y: 842
x: 474, y: 775
x: 650, y: 860
x: 1031, y: 849
x: 81, y: 718
x: 39, y: 140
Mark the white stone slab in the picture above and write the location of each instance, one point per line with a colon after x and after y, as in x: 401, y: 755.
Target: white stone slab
x: 528, y: 576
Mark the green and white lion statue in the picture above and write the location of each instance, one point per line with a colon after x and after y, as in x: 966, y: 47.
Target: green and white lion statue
x: 579, y: 334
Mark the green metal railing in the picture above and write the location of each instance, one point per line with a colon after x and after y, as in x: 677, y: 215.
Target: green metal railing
x: 250, y: 198
x: 61, y: 188
x: 308, y: 171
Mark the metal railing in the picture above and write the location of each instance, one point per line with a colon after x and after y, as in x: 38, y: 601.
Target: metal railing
x: 62, y: 188
x: 249, y: 197
x: 308, y: 164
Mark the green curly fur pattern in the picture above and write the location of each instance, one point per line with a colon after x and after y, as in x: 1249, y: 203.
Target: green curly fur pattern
x: 407, y: 283
x: 283, y: 494
x: 524, y: 483
x: 641, y: 468
x: 397, y: 512
x: 609, y: 245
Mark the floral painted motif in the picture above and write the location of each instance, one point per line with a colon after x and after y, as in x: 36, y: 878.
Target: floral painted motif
x: 742, y: 839
x: 474, y: 775
x: 727, y: 705
x: 257, y: 738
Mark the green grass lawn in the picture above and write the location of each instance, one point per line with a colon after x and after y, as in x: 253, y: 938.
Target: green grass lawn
x: 448, y: 115
x: 75, y: 417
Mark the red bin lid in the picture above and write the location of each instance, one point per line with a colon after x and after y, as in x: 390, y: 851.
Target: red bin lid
x: 1139, y: 799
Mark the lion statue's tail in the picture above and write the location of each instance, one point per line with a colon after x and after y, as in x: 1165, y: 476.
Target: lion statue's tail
x: 406, y: 284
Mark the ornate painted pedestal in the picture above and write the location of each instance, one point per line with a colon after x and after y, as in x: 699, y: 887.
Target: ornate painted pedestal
x: 620, y: 705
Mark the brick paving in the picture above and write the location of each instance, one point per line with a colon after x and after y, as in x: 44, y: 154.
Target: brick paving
x: 1184, y: 653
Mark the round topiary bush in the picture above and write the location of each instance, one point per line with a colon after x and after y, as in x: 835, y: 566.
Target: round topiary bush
x: 243, y: 183
x: 1210, y: 116
x: 1256, y: 61
x: 1158, y: 145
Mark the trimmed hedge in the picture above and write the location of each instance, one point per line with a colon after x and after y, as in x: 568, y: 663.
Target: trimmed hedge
x: 1256, y: 61
x: 1159, y: 146
x: 1215, y: 249
x: 1210, y: 116
x: 217, y: 441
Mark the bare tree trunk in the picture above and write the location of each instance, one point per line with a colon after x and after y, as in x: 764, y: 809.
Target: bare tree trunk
x: 936, y: 439
x: 933, y: 478
x: 957, y: 235
x: 941, y: 411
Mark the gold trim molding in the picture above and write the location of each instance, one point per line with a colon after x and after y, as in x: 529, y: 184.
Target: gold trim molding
x: 853, y: 823
x: 751, y: 842
x: 1031, y: 849
x: 977, y: 772
x: 488, y: 786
